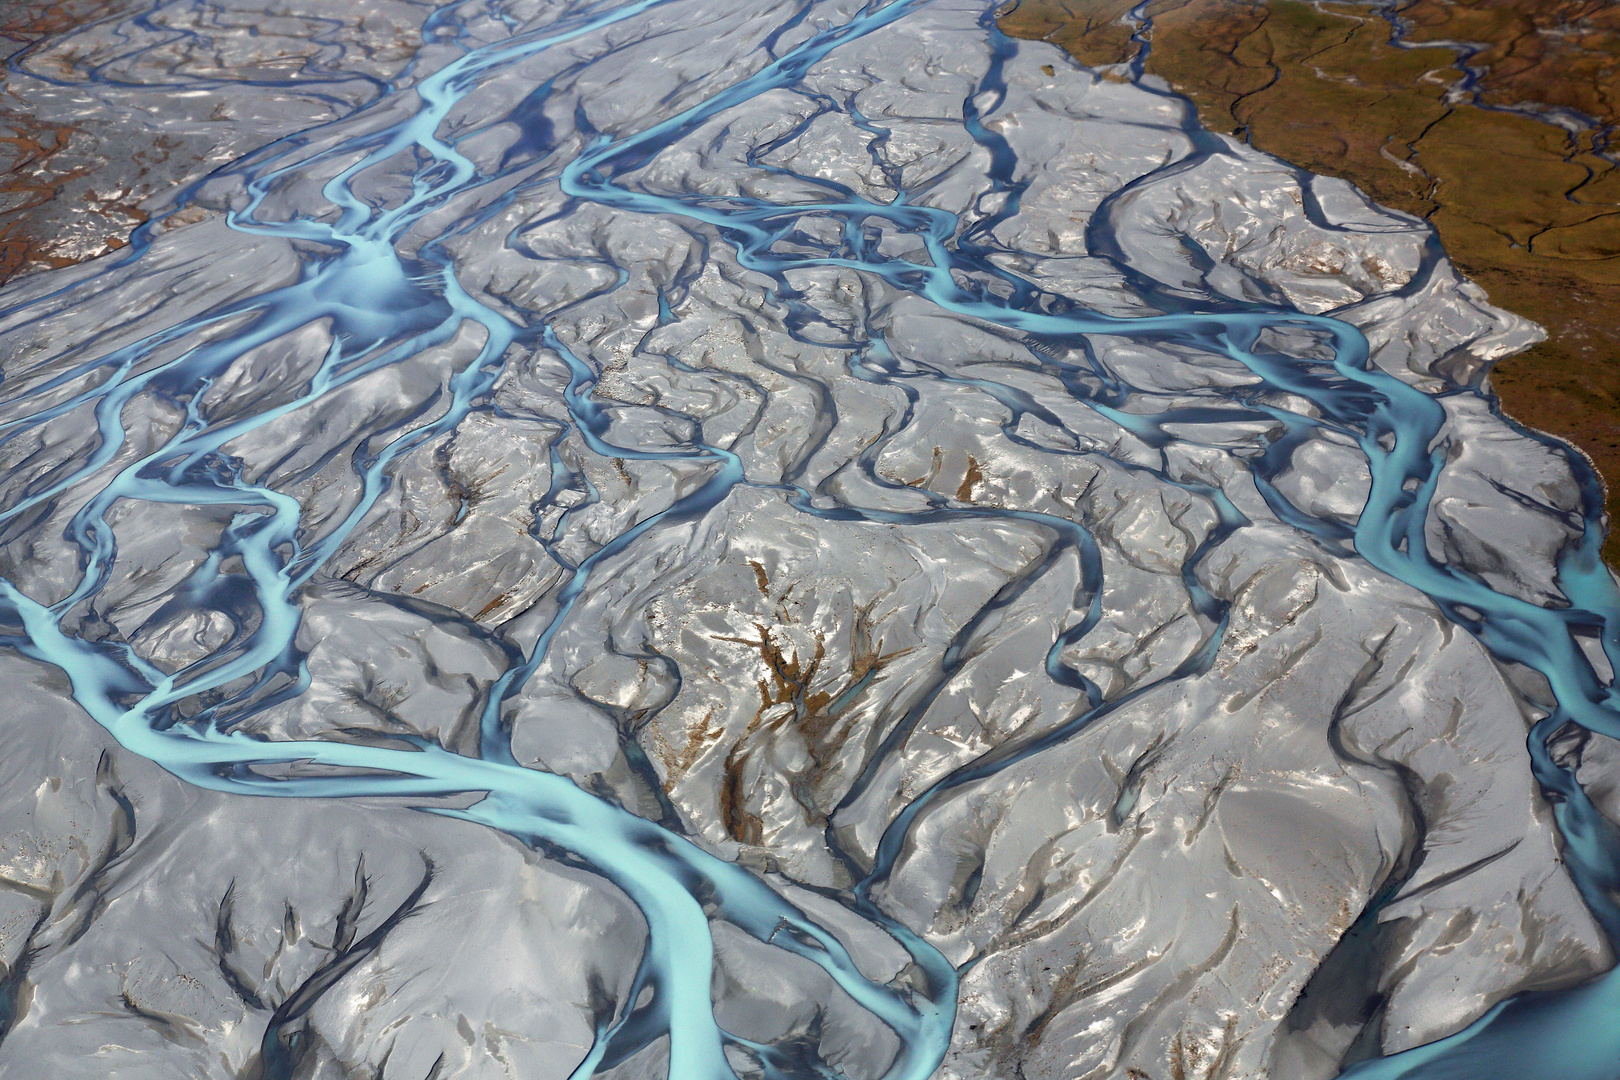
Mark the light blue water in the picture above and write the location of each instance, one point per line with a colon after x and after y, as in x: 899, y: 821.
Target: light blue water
x: 385, y: 308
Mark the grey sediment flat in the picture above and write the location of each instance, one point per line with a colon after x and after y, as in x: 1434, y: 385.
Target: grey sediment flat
x: 871, y: 608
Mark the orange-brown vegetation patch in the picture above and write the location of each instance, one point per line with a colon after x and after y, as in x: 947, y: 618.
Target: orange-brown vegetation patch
x: 38, y: 159
x: 1528, y: 208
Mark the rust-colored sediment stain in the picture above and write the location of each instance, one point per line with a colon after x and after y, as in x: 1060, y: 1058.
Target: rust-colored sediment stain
x: 1527, y: 208
x: 38, y: 159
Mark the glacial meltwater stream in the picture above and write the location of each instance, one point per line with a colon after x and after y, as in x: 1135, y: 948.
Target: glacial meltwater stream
x: 380, y: 207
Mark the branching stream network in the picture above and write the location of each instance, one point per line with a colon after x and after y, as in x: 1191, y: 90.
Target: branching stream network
x: 375, y: 204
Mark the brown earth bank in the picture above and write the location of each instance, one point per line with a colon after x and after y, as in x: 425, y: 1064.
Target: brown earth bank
x: 81, y: 167
x: 52, y: 213
x: 1489, y: 118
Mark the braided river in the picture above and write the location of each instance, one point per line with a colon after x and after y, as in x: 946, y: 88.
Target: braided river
x: 666, y: 272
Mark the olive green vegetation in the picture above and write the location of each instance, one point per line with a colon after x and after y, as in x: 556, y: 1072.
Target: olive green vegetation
x: 1526, y: 208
